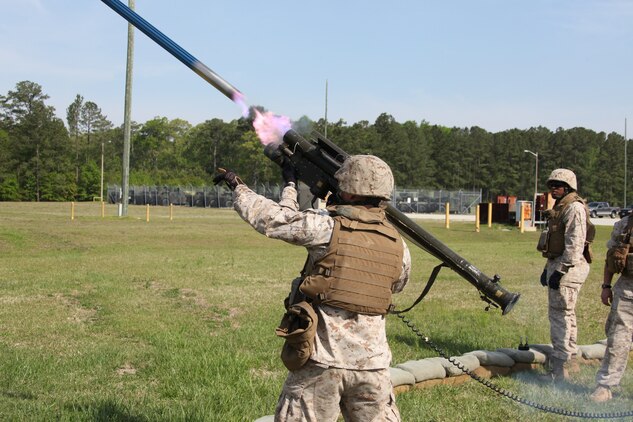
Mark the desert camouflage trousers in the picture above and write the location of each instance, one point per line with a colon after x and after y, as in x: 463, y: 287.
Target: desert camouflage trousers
x: 562, y: 321
x: 619, y: 329
x: 316, y: 394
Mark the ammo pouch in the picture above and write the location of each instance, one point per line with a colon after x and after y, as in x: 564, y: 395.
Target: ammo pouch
x: 298, y: 328
x: 616, y: 258
x: 617, y: 261
x: 542, y: 241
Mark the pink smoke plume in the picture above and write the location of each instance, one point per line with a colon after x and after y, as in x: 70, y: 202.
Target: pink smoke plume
x: 238, y: 98
x: 268, y: 126
x: 271, y: 127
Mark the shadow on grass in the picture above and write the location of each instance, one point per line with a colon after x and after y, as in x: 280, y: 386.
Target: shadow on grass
x: 107, y: 410
x: 448, y: 346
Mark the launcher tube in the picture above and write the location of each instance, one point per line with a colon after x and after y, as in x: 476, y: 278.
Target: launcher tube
x: 177, y: 51
x: 489, y: 287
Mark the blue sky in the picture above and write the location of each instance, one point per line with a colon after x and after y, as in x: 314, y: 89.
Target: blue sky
x: 497, y: 64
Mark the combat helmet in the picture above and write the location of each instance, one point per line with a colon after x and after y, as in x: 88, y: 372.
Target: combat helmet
x: 365, y: 175
x: 563, y: 175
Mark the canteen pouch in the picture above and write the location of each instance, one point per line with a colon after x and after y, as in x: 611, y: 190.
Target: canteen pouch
x: 298, y: 329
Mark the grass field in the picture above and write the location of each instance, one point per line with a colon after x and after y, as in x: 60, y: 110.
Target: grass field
x: 119, y: 319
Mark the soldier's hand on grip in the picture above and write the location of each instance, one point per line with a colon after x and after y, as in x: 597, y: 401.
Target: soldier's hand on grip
x: 231, y: 179
x: 544, y: 277
x: 288, y: 172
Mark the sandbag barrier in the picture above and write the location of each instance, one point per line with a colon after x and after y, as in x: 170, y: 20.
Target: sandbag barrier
x: 483, y: 364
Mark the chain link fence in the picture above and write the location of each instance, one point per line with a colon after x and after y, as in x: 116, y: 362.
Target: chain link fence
x: 434, y: 201
x: 406, y: 200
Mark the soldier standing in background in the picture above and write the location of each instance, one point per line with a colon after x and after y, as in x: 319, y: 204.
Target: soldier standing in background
x: 565, y: 244
x: 619, y: 325
x: 336, y: 345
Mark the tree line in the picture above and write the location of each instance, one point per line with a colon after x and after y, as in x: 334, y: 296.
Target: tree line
x: 44, y: 158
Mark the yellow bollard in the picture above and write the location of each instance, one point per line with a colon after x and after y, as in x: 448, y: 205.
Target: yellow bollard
x: 477, y: 219
x: 448, y: 210
x: 147, y: 213
x: 521, y: 222
x: 489, y: 214
x: 102, y: 209
x: 171, y: 212
x: 72, y: 211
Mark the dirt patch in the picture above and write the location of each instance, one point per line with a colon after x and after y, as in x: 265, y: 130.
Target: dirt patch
x: 261, y: 373
x: 126, y: 369
x: 78, y: 313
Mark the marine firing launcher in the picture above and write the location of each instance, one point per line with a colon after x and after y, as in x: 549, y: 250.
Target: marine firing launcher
x: 316, y: 160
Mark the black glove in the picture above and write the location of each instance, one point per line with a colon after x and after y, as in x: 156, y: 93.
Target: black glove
x: 227, y: 176
x: 554, y: 280
x: 544, y: 278
x: 288, y: 172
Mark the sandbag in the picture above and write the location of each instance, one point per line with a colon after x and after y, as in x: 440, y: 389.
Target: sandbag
x: 524, y: 356
x: 546, y: 349
x: 469, y: 362
x: 401, y: 377
x: 487, y: 357
x: 424, y: 369
x: 593, y: 351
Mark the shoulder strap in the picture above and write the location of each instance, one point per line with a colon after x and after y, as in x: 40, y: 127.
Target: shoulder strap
x: 429, y: 284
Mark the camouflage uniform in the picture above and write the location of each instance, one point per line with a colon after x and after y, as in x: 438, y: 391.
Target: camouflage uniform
x: 562, y: 302
x: 348, y: 367
x: 619, y: 325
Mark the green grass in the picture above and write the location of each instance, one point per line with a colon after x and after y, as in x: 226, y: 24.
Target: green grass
x: 119, y: 319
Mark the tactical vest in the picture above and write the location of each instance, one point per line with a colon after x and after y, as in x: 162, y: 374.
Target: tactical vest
x: 553, y: 243
x: 363, y: 260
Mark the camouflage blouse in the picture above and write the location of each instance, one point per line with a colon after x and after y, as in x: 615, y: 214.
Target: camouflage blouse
x: 344, y: 339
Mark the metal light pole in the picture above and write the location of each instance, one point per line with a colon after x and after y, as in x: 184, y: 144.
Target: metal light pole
x: 101, y: 191
x: 535, y: 154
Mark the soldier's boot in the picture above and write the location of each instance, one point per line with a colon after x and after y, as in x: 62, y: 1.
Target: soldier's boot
x: 557, y: 371
x: 601, y: 394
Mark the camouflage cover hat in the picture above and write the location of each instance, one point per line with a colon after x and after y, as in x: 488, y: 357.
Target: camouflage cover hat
x: 563, y: 175
x: 365, y: 175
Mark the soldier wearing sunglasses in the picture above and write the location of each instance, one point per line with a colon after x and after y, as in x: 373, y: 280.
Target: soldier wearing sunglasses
x: 566, y: 245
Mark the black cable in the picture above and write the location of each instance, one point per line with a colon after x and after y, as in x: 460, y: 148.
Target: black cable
x: 505, y: 393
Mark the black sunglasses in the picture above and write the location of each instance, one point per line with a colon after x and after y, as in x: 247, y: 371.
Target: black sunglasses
x: 556, y: 185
